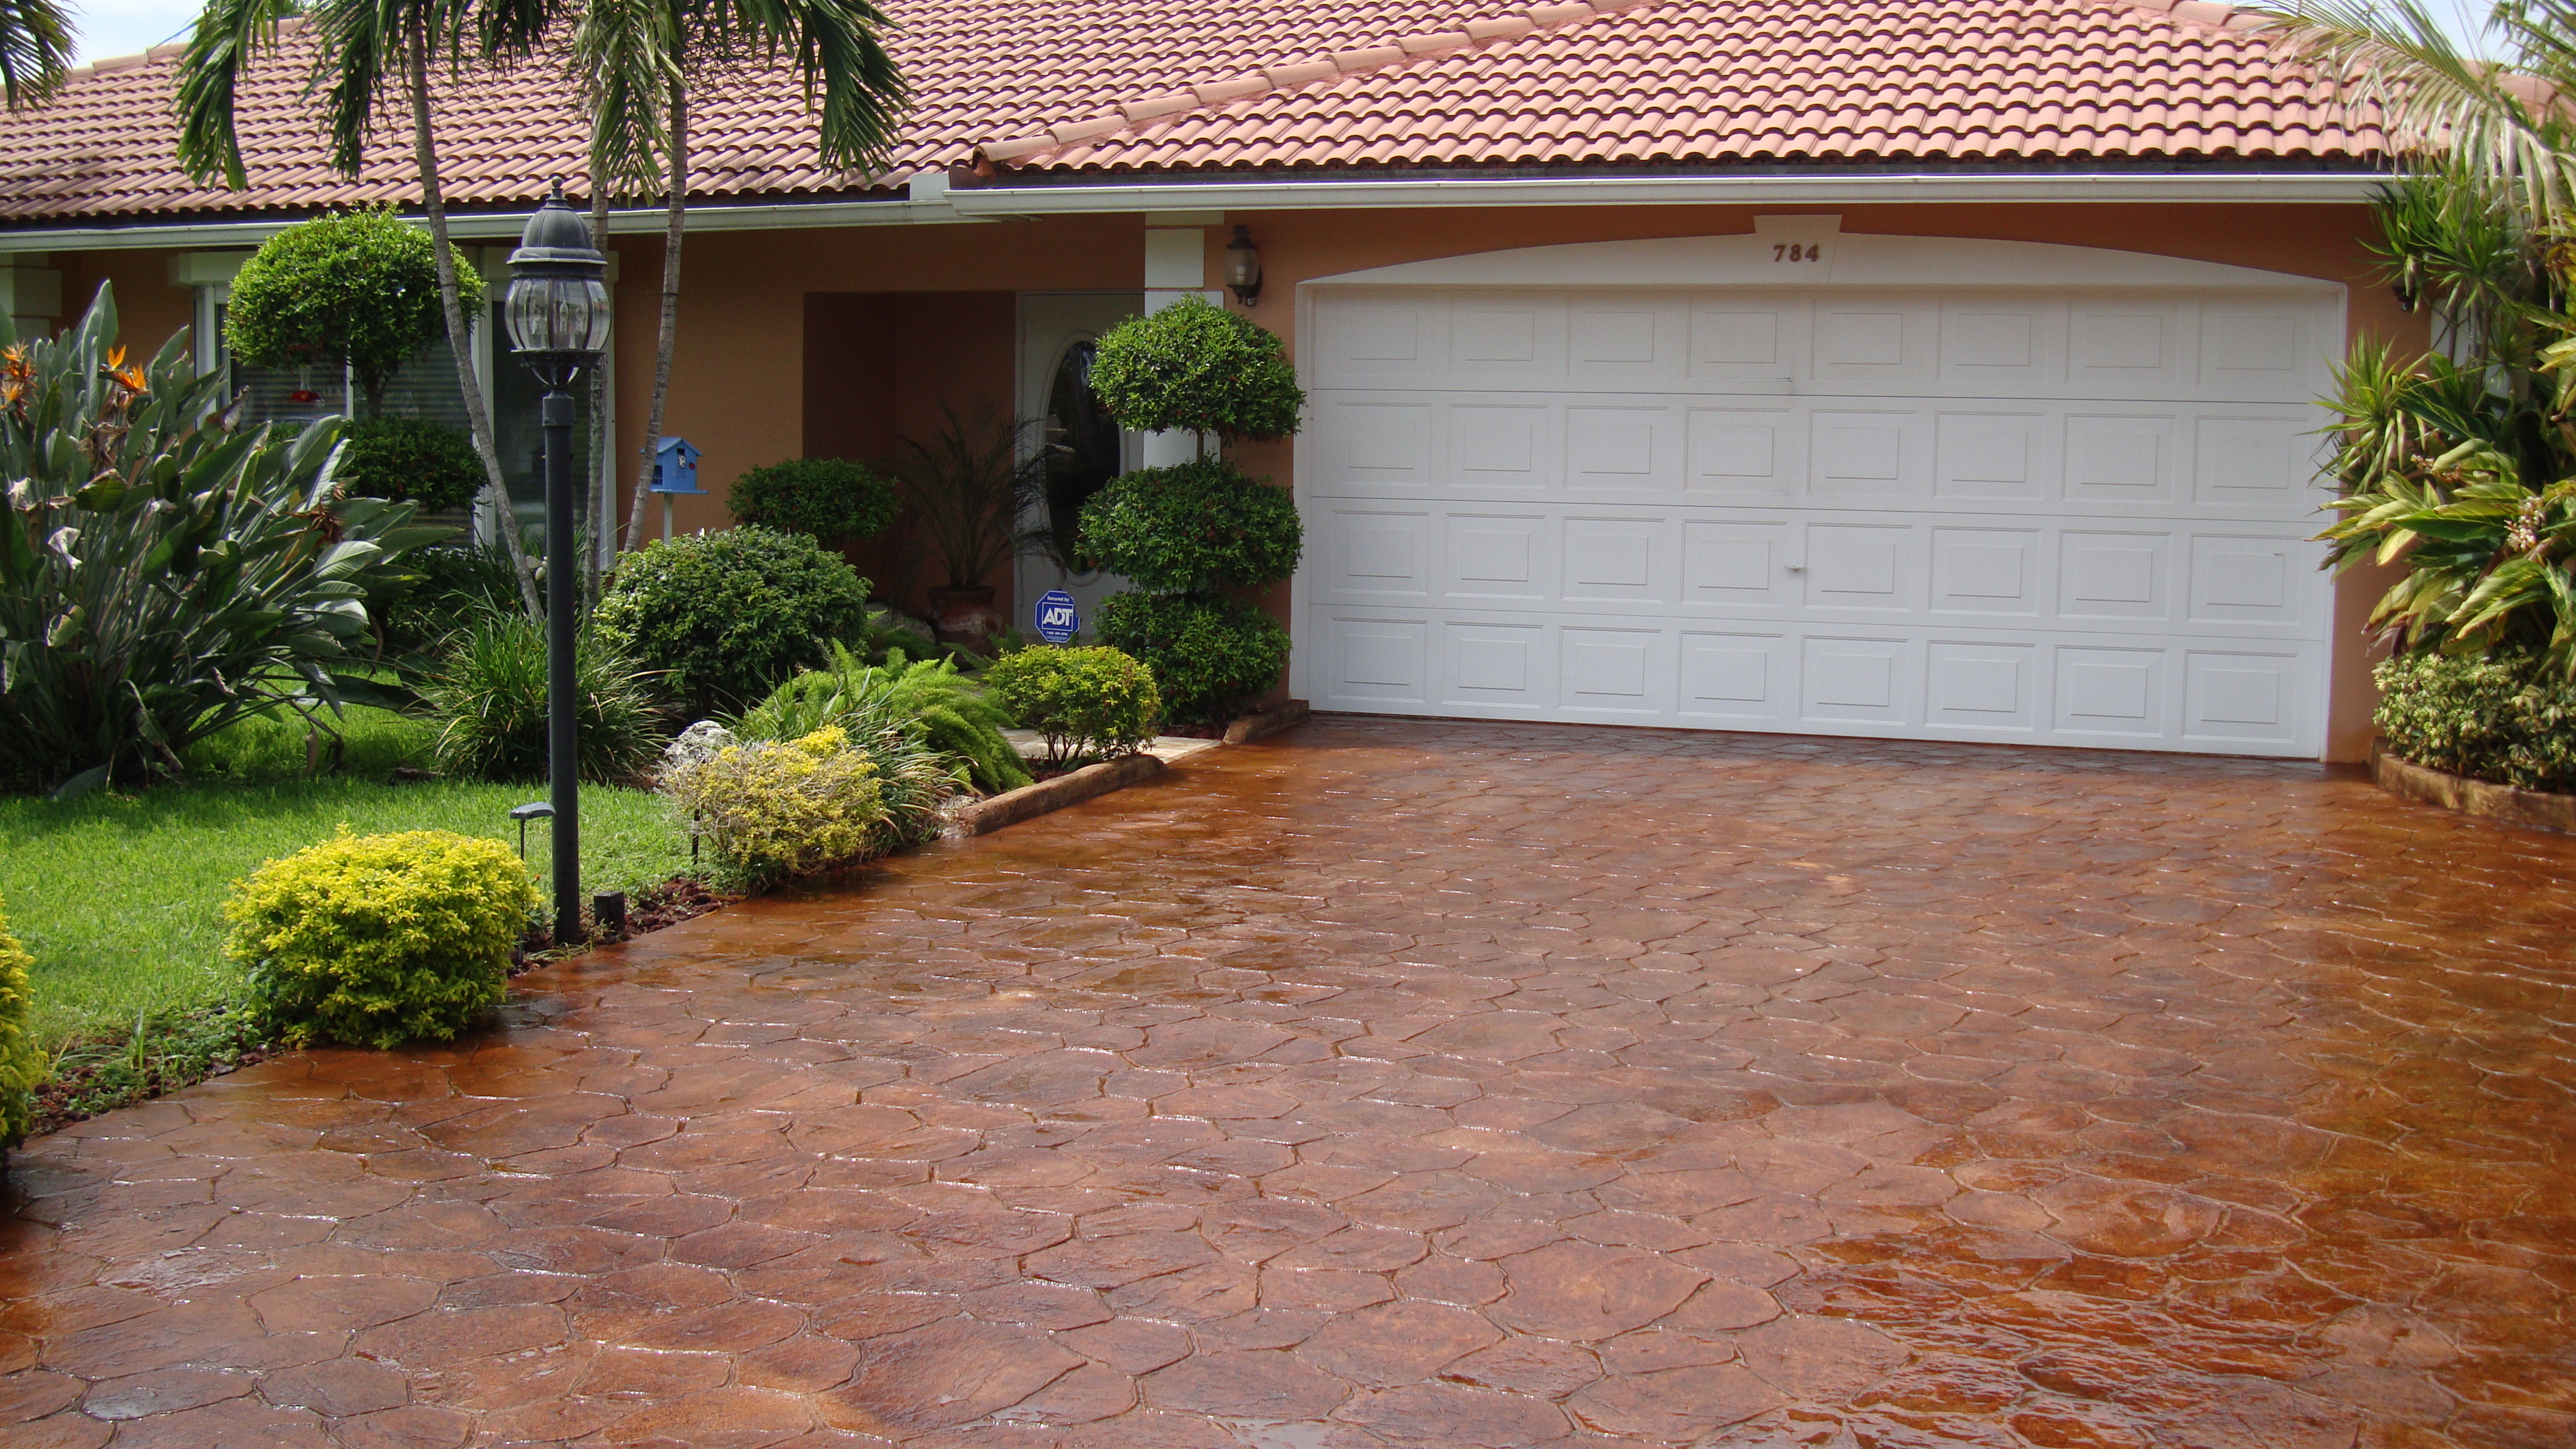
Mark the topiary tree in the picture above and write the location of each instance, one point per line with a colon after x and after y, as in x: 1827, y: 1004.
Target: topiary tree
x: 1208, y: 652
x: 1194, y: 528
x: 351, y: 288
x: 1184, y: 533
x: 408, y: 459
x: 1196, y: 367
x: 729, y: 615
x: 830, y: 500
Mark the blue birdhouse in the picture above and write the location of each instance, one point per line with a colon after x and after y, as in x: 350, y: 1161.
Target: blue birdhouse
x: 675, y: 467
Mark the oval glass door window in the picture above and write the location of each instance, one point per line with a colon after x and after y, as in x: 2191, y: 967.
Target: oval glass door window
x: 1081, y: 450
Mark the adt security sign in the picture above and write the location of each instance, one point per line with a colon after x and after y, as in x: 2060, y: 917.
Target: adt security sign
x: 1057, y: 622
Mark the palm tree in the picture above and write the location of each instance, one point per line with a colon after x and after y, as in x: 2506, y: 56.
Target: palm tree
x: 35, y: 49
x: 636, y: 61
x: 2507, y: 125
x: 364, y: 50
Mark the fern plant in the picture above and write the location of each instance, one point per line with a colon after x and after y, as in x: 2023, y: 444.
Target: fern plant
x: 928, y: 698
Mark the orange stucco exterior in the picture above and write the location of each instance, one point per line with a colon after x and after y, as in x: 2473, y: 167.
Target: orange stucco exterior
x: 838, y: 341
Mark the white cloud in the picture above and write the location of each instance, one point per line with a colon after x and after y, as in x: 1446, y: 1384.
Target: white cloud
x: 130, y: 27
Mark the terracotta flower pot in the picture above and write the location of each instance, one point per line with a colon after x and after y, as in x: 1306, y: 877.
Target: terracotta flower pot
x: 965, y: 616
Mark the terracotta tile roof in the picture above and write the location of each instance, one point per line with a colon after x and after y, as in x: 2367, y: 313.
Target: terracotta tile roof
x: 1071, y: 85
x: 1646, y: 83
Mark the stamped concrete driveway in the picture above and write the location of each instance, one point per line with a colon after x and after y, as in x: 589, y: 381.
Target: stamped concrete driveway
x: 1422, y: 1084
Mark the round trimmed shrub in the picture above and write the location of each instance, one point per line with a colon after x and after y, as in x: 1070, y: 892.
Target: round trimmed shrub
x: 1198, y: 368
x: 830, y: 500
x: 2506, y: 718
x: 357, y: 287
x: 409, y: 459
x: 1207, y: 654
x: 376, y: 940
x: 1193, y: 528
x: 1088, y: 701
x: 22, y: 1066
x: 726, y: 616
x: 489, y: 696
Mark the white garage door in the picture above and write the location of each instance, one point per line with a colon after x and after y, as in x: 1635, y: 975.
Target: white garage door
x: 2059, y: 516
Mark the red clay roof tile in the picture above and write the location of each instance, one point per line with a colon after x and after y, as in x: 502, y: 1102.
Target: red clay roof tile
x: 1071, y: 86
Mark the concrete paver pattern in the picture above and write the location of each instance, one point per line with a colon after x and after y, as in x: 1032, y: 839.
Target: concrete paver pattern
x: 1408, y: 1083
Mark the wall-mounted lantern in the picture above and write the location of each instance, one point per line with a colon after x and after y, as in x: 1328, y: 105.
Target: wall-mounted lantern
x: 1243, y: 267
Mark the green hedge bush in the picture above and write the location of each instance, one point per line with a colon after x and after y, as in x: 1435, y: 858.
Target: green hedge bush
x: 727, y: 616
x: 22, y: 1065
x: 1194, y: 528
x: 1092, y: 701
x: 409, y: 460
x: 774, y: 810
x: 377, y: 940
x: 927, y: 698
x: 446, y: 587
x: 489, y: 698
x: 1199, y: 368
x: 357, y: 287
x: 830, y: 500
x: 1208, y: 654
x: 2507, y: 718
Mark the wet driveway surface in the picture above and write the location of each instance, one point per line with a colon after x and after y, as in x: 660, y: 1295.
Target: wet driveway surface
x: 1425, y: 1084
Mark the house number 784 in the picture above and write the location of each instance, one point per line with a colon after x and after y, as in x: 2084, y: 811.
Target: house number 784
x: 1795, y: 252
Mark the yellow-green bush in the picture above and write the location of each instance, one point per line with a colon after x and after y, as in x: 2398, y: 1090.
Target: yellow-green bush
x: 21, y: 1065
x: 380, y: 939
x: 774, y: 810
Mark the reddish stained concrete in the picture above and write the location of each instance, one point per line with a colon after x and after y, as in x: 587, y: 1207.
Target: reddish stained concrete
x: 1423, y: 1084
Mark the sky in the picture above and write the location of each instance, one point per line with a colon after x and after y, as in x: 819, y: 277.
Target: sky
x: 129, y: 27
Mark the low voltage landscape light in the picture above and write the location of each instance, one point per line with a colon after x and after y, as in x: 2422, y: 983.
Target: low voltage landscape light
x: 557, y: 311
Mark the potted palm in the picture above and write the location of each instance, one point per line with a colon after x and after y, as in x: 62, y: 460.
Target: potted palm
x: 969, y: 488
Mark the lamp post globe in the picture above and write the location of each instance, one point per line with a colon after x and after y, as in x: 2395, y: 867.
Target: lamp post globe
x: 557, y: 312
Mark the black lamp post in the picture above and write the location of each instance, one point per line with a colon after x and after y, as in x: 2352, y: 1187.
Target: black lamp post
x: 558, y: 317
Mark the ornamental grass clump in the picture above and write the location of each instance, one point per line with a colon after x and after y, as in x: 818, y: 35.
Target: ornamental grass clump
x: 488, y: 693
x: 376, y: 940
x: 1091, y: 702
x: 776, y: 810
x: 22, y: 1066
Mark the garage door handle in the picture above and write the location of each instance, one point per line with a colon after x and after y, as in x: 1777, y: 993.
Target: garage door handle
x: 1795, y: 568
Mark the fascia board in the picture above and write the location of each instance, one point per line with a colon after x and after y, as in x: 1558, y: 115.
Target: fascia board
x: 487, y: 227
x: 2318, y: 187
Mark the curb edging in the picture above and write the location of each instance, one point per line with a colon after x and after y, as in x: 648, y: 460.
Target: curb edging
x: 1013, y: 806
x: 2532, y: 809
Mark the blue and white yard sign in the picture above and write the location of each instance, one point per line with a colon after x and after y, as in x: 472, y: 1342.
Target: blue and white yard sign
x: 1057, y: 622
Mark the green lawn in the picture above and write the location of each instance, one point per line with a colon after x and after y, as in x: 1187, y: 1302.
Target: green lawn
x: 120, y: 897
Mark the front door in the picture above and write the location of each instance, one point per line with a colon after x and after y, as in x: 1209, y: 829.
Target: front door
x: 1078, y: 444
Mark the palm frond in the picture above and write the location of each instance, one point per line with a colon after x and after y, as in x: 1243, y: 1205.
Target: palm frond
x: 2508, y: 122
x: 229, y: 34
x: 35, y: 49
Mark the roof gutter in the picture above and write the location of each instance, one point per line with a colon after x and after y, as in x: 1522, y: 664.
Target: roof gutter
x: 933, y: 200
x: 2312, y: 187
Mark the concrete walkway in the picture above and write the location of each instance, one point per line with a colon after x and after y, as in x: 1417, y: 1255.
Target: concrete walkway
x: 1403, y: 1083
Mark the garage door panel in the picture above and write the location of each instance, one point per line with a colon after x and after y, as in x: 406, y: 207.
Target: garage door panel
x: 1631, y: 451
x: 1862, y: 568
x: 1376, y: 554
x: 1749, y: 454
x: 2243, y: 698
x: 1997, y: 573
x: 1611, y: 671
x: 1985, y: 687
x: 1498, y: 448
x: 2050, y: 516
x: 1620, y: 561
x: 1637, y: 341
x: 1499, y: 556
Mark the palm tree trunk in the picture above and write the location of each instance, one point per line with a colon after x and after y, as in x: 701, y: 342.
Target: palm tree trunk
x: 679, y: 197
x: 459, y: 339
x: 601, y: 515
